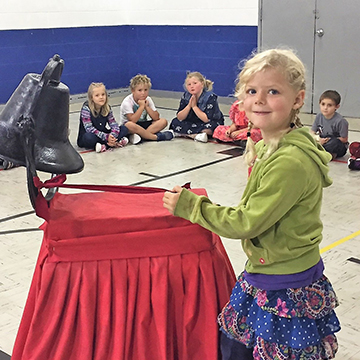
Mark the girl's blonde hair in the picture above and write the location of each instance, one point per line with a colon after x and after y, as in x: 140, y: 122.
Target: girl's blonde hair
x: 292, y: 68
x: 139, y: 79
x: 208, y: 84
x: 105, y: 109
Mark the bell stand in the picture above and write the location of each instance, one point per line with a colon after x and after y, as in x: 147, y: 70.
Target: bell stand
x: 26, y: 127
x: 27, y: 137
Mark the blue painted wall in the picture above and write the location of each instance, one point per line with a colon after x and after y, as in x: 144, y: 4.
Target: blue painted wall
x: 113, y: 54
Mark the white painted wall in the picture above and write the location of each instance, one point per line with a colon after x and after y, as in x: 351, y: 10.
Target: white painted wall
x: 44, y: 14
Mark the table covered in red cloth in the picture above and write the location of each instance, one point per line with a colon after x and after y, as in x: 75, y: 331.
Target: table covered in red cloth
x: 118, y: 277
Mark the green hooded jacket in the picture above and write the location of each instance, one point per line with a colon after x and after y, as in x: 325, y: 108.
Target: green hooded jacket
x: 278, y: 218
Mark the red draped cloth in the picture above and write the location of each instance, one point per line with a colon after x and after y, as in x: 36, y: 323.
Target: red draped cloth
x: 118, y: 277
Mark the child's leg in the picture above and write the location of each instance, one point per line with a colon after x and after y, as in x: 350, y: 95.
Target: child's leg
x: 157, y: 125
x: 202, y: 133
x: 335, y: 147
x: 207, y: 131
x: 220, y: 133
x: 233, y: 350
x: 180, y: 127
x: 89, y: 140
x: 123, y: 132
x: 186, y: 128
x: 122, y: 140
x: 146, y: 134
x: 137, y: 129
x: 198, y: 128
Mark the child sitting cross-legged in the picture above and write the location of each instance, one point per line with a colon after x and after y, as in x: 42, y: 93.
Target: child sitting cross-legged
x: 330, y: 128
x: 138, y: 113
x: 98, y: 129
x: 237, y: 132
x: 199, y: 113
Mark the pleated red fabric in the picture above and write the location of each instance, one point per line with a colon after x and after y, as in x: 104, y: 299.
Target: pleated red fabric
x: 118, y: 277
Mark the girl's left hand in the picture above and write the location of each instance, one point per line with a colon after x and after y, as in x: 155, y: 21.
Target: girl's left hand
x: 111, y: 140
x: 171, y: 198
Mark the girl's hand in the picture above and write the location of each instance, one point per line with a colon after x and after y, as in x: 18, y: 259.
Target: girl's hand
x: 170, y: 199
x: 111, y: 140
x: 193, y: 101
x: 228, y: 132
x: 235, y: 134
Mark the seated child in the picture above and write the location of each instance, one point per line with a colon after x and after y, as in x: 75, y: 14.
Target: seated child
x: 199, y: 113
x: 98, y: 129
x: 136, y: 108
x: 237, y: 131
x: 330, y: 128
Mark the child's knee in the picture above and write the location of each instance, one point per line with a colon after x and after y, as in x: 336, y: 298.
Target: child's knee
x: 88, y: 141
x: 132, y: 127
x: 163, y: 121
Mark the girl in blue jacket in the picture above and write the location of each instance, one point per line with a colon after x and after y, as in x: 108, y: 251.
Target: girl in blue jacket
x: 199, y: 113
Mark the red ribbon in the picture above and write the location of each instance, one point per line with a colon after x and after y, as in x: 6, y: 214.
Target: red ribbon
x: 56, y: 181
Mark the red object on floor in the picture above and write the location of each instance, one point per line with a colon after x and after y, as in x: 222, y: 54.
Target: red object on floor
x: 354, y: 149
x: 118, y: 277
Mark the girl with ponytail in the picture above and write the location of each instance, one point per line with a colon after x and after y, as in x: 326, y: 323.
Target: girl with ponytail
x: 282, y: 306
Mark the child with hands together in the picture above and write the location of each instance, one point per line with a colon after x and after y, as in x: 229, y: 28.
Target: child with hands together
x: 199, y: 113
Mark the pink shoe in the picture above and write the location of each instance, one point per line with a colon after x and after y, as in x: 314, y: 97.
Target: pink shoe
x: 100, y: 148
x: 122, y: 142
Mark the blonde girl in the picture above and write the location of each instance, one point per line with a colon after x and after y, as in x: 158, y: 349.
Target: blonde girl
x: 98, y: 129
x: 199, y: 113
x: 282, y: 306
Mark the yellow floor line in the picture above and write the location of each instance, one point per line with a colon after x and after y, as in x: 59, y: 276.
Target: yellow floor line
x: 341, y: 241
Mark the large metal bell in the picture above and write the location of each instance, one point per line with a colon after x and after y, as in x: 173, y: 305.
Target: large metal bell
x: 44, y: 100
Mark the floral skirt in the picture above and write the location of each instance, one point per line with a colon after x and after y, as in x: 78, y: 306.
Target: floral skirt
x: 287, y: 324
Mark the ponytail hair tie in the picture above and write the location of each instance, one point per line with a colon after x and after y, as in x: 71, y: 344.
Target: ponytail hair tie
x: 248, y: 134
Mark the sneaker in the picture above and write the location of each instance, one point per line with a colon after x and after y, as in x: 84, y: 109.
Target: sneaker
x: 201, y: 137
x: 122, y: 142
x: 165, y: 135
x: 178, y: 135
x: 134, y: 139
x: 100, y: 147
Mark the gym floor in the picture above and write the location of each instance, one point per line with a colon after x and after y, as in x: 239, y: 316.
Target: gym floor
x: 220, y: 169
